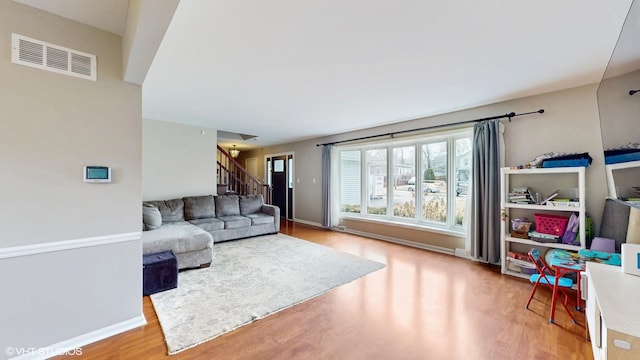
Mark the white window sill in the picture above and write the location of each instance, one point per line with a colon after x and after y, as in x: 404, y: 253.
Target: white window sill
x: 422, y: 227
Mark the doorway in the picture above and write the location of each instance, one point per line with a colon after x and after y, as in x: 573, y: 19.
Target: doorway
x: 280, y: 176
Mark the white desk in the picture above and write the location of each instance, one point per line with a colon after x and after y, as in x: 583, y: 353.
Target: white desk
x: 613, y: 312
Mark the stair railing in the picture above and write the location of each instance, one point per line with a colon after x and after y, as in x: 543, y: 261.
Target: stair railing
x: 233, y: 178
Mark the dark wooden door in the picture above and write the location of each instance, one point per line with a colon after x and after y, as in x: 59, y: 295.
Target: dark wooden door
x: 279, y: 183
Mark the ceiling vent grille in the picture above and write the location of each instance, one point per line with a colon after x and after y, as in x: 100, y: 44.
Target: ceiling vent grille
x: 41, y: 55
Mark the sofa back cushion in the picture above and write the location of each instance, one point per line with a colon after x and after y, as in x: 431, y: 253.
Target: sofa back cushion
x: 199, y: 207
x: 227, y: 205
x: 171, y: 210
x: 250, y: 204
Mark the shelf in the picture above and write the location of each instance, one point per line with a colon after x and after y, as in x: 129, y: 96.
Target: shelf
x: 609, y: 169
x: 538, y: 243
x: 559, y: 170
x: 623, y: 165
x: 520, y: 175
x: 517, y: 274
x: 541, y: 207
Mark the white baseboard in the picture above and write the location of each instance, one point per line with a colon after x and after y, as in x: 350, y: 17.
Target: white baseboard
x: 74, y: 346
x: 463, y: 254
x: 310, y: 223
x: 403, y: 242
x: 47, y: 247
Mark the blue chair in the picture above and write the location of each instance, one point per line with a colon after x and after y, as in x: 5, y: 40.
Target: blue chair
x: 545, y: 278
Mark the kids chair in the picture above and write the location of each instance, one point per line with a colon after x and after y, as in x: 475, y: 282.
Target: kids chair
x: 545, y: 278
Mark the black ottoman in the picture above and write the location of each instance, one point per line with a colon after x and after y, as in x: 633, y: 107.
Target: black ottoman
x: 159, y: 272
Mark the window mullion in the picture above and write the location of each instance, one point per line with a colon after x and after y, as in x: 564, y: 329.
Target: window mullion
x: 451, y: 198
x: 419, y: 176
x: 390, y: 177
x: 364, y: 179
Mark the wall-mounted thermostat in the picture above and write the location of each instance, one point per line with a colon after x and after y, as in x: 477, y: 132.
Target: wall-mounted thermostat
x: 96, y: 174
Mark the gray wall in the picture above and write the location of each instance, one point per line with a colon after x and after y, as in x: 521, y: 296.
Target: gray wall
x: 69, y: 251
x: 177, y: 160
x: 570, y: 124
x: 53, y: 125
x: 619, y: 122
x: 618, y: 110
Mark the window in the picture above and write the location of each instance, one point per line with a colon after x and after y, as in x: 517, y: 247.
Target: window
x: 376, y: 175
x: 434, y: 182
x: 350, y: 193
x: 423, y: 181
x: 404, y: 169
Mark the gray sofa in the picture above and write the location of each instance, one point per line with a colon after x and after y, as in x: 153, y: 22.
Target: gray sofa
x: 191, y: 225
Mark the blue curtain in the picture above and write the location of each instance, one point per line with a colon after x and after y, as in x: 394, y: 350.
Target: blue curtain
x: 485, y: 231
x: 326, y: 186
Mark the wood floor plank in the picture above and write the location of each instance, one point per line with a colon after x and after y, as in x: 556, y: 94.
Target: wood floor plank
x: 423, y: 305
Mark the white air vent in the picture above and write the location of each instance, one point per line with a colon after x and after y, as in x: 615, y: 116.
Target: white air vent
x: 41, y: 55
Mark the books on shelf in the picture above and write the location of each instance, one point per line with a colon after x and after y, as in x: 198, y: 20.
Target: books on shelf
x: 522, y: 263
x: 550, y: 197
x: 541, y: 237
x: 521, y: 195
x: 557, y: 202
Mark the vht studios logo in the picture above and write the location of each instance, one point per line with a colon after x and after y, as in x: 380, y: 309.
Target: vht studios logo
x: 20, y: 351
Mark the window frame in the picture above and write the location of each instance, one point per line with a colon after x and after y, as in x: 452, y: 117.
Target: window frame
x: 450, y: 137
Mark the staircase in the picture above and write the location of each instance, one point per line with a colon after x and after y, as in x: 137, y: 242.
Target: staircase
x: 233, y: 178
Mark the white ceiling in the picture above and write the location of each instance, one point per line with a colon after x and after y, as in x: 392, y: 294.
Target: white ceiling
x: 109, y: 15
x: 291, y: 70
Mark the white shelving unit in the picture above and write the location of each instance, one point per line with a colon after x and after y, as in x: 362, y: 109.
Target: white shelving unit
x: 507, y: 241
x: 611, y: 183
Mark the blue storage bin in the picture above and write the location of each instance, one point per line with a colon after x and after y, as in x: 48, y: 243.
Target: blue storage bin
x: 621, y: 158
x: 565, y: 163
x: 159, y: 272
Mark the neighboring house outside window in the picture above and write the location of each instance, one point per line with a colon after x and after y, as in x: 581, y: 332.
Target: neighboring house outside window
x: 422, y: 181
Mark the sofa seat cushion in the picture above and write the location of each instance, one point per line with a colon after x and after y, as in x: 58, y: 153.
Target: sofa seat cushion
x: 260, y: 218
x: 178, y: 237
x: 199, y: 207
x: 235, y: 221
x: 208, y: 224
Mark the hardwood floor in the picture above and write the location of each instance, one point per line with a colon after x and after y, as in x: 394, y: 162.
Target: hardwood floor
x: 423, y: 305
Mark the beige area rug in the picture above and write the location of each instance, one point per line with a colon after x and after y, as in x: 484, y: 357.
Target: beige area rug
x: 248, y: 280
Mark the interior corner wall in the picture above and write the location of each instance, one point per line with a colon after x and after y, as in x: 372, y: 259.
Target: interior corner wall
x: 177, y: 160
x: 570, y: 124
x: 70, y: 252
x: 307, y: 172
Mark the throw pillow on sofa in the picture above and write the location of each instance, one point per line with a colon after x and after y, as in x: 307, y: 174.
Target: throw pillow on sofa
x: 151, y: 217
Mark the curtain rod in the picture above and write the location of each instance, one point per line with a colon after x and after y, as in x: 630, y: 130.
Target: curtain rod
x: 391, y: 134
